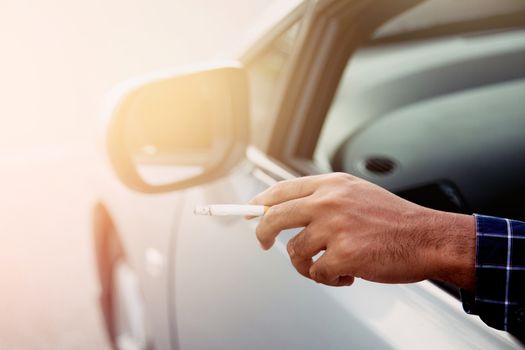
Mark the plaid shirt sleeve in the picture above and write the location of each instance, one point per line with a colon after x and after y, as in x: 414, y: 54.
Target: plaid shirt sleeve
x: 499, y: 299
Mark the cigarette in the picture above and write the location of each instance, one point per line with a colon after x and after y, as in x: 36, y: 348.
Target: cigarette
x: 231, y: 209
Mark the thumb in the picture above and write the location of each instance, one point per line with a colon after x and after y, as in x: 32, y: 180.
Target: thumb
x: 325, y: 270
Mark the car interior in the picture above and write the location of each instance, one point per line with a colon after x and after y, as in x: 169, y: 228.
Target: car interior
x: 430, y: 107
x: 436, y: 116
x: 454, y: 144
x: 438, y: 120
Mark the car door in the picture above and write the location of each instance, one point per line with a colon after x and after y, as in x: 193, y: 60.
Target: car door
x: 300, y: 134
x: 244, y: 297
x: 226, y: 293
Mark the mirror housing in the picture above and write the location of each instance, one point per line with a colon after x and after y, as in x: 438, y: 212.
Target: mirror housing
x: 176, y: 123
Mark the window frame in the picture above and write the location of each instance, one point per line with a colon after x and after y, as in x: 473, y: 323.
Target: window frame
x: 315, y: 71
x: 263, y: 46
x: 295, y: 136
x: 299, y: 120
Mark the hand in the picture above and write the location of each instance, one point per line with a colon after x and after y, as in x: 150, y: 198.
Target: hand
x: 366, y: 232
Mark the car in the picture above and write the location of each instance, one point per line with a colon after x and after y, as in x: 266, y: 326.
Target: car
x: 424, y: 98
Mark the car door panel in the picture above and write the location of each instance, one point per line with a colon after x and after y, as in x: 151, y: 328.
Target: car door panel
x: 229, y: 294
x: 144, y: 225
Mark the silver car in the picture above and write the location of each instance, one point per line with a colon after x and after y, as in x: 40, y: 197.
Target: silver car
x: 425, y: 98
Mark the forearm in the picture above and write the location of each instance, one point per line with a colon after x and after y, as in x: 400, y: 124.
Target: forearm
x: 452, y: 248
x: 484, y: 256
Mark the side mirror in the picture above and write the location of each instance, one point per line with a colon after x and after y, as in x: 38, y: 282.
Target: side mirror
x: 174, y: 130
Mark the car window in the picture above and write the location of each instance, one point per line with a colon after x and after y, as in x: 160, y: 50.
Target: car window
x: 426, y: 119
x: 434, y: 37
x: 383, y: 81
x: 266, y: 73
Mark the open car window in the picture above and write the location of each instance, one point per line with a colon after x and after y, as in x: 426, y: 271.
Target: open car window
x: 436, y: 116
x: 379, y: 80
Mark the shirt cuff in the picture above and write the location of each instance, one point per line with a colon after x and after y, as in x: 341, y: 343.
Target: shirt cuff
x: 498, y: 276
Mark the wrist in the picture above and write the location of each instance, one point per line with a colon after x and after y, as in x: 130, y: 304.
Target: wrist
x: 453, y: 255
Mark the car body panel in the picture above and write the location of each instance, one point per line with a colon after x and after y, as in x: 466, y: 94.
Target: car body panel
x: 145, y: 222
x: 211, y: 286
x: 230, y: 293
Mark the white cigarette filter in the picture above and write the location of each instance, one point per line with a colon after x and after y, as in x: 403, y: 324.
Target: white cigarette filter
x: 230, y: 209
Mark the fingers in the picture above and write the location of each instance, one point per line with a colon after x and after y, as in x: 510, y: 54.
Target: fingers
x: 327, y: 270
x: 287, y: 190
x: 303, y: 247
x: 300, y: 203
x: 287, y: 210
x: 291, y: 214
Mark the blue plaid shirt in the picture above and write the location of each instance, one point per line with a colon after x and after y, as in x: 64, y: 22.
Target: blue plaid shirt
x: 500, y: 274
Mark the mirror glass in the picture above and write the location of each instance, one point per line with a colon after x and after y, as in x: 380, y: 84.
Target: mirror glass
x: 171, y: 126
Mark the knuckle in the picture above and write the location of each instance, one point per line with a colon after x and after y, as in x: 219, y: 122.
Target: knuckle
x: 300, y: 245
x: 318, y: 272
x: 261, y: 234
x: 314, y: 274
x: 271, y: 213
x: 339, y: 227
x: 345, y: 249
x: 288, y: 208
x: 294, y: 207
x: 340, y: 177
x: 278, y: 190
x: 297, y: 245
x: 320, y: 202
x: 308, y: 207
x: 346, y: 177
x: 281, y: 212
x: 319, y: 275
x: 327, y: 201
x: 291, y: 248
x: 299, y: 185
